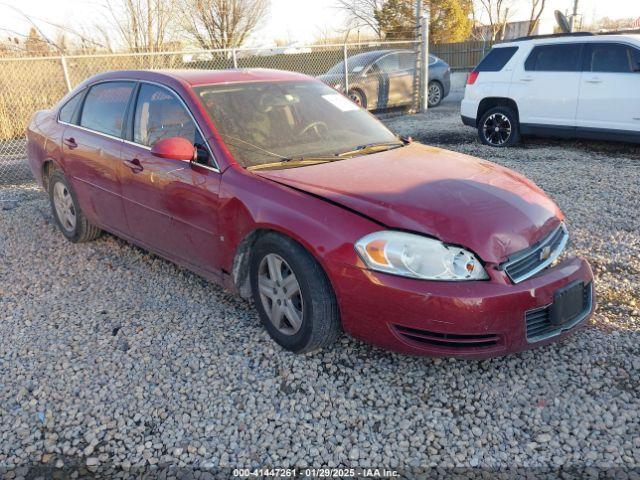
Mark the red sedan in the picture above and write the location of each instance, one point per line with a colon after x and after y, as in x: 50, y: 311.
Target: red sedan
x: 283, y: 190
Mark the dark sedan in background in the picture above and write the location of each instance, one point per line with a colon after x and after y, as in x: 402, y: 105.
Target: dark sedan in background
x: 384, y: 78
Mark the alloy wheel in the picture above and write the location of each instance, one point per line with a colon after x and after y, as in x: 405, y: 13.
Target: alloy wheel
x: 65, y: 209
x: 434, y: 94
x: 497, y: 129
x: 280, y: 294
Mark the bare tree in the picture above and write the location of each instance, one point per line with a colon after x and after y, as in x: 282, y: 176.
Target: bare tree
x: 498, y: 14
x: 143, y: 25
x: 537, y: 7
x: 216, y: 24
x: 362, y: 13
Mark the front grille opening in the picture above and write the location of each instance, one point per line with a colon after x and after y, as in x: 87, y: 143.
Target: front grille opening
x: 446, y: 340
x: 538, y: 321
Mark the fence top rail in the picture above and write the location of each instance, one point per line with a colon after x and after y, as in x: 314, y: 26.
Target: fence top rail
x: 216, y: 50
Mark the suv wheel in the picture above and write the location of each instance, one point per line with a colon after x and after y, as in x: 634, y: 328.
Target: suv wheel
x: 499, y: 127
x: 293, y: 295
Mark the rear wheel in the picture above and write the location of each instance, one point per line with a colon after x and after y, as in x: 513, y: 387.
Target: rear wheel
x: 499, y: 127
x: 66, y: 211
x: 435, y: 94
x: 293, y: 296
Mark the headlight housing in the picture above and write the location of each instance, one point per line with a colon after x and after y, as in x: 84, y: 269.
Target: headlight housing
x: 415, y: 256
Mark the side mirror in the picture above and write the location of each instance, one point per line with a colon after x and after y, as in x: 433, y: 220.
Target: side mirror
x: 174, y: 148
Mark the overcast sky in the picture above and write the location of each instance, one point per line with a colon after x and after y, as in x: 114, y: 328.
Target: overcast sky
x: 294, y: 20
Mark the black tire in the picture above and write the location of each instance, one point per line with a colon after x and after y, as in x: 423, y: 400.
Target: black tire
x: 320, y: 316
x: 82, y: 231
x: 358, y: 97
x: 434, y: 99
x: 504, y: 119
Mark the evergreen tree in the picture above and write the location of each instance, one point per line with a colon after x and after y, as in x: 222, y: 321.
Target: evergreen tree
x: 450, y: 19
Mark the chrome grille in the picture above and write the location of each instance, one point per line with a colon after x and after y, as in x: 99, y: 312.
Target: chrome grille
x: 527, y: 263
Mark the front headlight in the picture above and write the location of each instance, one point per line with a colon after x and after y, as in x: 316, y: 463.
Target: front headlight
x: 416, y: 256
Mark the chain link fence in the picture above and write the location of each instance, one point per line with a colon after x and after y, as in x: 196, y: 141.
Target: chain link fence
x: 31, y: 84
x: 462, y: 56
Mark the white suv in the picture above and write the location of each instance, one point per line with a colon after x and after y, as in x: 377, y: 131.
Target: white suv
x: 572, y: 85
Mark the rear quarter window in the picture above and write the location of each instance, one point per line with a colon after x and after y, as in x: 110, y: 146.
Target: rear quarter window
x: 68, y: 110
x: 554, y: 58
x: 496, y: 59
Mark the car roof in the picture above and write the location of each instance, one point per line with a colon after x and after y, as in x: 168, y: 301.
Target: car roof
x: 572, y: 38
x: 375, y: 54
x: 204, y: 77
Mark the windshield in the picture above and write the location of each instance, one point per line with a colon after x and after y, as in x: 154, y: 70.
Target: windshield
x: 268, y: 122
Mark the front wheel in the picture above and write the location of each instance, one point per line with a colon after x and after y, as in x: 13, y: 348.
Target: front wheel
x: 358, y: 97
x: 293, y: 295
x: 499, y: 127
x: 66, y: 211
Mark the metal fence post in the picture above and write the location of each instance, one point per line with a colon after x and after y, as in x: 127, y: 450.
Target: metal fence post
x: 234, y: 56
x: 65, y: 72
x: 346, y: 69
x: 424, y: 61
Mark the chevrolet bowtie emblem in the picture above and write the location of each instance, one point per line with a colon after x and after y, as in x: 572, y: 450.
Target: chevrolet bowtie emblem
x: 545, y: 253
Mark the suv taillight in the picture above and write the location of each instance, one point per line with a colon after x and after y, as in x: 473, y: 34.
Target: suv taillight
x: 473, y: 76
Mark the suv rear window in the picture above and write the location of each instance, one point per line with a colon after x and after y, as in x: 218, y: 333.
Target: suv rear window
x: 554, y: 58
x: 496, y: 59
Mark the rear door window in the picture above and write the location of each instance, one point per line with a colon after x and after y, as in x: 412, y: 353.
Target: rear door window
x: 611, y: 58
x: 554, y: 58
x: 104, y: 107
x: 496, y: 59
x: 407, y: 61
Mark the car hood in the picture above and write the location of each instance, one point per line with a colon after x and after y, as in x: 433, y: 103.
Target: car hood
x: 458, y: 199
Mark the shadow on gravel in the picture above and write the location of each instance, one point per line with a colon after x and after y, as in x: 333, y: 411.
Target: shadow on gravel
x: 610, y: 149
x: 630, y: 150
x: 452, y: 138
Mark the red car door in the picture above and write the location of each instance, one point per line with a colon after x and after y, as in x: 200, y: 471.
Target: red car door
x: 91, y: 153
x: 171, y: 206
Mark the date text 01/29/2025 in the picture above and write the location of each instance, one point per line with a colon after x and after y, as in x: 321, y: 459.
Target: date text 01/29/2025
x: 315, y: 473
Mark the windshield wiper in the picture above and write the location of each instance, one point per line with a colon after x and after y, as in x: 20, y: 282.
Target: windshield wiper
x: 373, y: 147
x: 288, y: 162
x: 292, y: 161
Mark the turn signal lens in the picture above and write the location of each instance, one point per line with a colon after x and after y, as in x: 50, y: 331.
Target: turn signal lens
x: 375, y: 250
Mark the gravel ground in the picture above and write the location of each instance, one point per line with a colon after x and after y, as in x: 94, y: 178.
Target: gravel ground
x: 113, y: 360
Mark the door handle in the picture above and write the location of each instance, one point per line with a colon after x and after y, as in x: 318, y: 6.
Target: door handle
x: 70, y: 142
x: 527, y: 79
x: 594, y: 80
x: 134, y: 165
